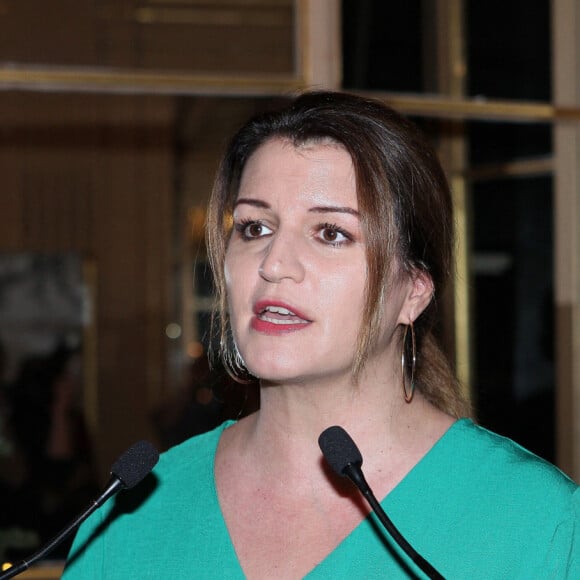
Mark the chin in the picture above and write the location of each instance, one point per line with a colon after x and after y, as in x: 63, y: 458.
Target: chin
x: 265, y: 360
x: 274, y: 374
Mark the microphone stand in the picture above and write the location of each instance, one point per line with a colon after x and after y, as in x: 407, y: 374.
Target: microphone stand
x: 126, y: 472
x: 354, y: 472
x: 114, y: 485
x: 342, y: 454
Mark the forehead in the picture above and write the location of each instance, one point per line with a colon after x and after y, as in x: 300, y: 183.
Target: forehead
x: 321, y: 169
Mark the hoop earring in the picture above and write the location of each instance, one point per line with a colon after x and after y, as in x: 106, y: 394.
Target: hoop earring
x: 409, y: 394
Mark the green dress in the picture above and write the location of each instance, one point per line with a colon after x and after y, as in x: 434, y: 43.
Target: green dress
x: 476, y: 506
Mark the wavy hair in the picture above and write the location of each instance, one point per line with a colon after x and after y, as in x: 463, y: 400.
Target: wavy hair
x: 406, y: 215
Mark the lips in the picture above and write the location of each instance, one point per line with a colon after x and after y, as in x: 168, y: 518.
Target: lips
x: 277, y: 318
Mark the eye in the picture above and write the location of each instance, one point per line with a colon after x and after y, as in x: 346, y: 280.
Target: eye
x: 252, y: 229
x: 334, y: 235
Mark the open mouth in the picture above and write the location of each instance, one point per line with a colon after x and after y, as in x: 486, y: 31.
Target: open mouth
x: 280, y: 315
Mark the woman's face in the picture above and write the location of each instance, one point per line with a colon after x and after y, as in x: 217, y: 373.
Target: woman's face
x: 295, y: 266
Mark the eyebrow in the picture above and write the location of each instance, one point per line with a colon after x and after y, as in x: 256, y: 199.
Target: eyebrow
x: 334, y: 209
x: 252, y: 202
x: 316, y: 209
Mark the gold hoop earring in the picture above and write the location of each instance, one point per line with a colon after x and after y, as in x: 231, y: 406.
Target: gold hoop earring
x: 409, y: 394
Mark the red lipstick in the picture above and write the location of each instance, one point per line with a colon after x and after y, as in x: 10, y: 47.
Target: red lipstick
x: 275, y: 318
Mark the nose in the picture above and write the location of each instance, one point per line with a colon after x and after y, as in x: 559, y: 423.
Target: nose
x: 282, y: 261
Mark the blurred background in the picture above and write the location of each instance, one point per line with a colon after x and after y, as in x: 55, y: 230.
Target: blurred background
x: 113, y: 116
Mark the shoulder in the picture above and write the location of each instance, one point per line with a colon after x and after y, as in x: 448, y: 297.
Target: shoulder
x: 175, y: 506
x: 184, y: 473
x: 502, y: 457
x: 489, y: 494
x: 496, y: 472
x: 194, y: 453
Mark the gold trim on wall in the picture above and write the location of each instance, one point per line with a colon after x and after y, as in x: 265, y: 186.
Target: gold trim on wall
x: 139, y: 82
x: 477, y: 108
x: 130, y: 81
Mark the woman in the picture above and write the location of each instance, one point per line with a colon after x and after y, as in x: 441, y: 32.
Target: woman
x: 330, y: 235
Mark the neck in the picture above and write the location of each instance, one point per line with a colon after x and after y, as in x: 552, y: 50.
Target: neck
x: 280, y: 442
x: 286, y: 429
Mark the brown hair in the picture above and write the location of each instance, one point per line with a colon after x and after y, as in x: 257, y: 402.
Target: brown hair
x: 405, y: 206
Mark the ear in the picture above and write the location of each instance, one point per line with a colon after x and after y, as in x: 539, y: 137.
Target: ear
x: 420, y: 291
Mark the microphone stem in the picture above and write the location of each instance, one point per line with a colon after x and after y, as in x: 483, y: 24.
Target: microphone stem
x: 112, y: 487
x: 355, y: 474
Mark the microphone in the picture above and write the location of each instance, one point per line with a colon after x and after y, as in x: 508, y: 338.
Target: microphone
x: 342, y: 454
x: 129, y: 469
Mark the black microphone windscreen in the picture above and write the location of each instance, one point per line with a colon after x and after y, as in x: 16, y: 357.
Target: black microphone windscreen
x: 135, y: 463
x: 339, y: 449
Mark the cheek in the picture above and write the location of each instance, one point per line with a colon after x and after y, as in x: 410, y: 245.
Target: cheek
x: 238, y: 264
x: 342, y: 294
x: 232, y: 290
x: 239, y: 287
x: 233, y: 271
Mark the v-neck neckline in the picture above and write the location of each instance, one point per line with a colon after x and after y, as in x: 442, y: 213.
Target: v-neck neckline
x: 399, y: 489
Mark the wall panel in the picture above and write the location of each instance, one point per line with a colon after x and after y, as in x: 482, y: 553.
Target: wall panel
x: 93, y: 175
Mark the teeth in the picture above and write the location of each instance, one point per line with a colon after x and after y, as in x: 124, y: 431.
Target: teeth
x: 282, y: 312
x: 279, y: 310
x: 284, y: 322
